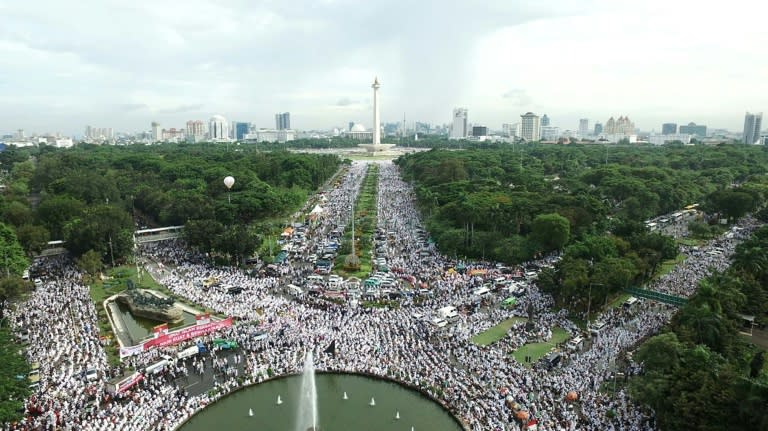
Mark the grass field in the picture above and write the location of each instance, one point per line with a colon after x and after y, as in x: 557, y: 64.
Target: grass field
x: 668, y: 265
x: 365, y: 226
x: 496, y: 333
x: 538, y: 350
x: 619, y: 300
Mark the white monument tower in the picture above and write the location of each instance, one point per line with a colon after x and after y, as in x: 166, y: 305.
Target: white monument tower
x: 376, y: 145
x: 376, y: 119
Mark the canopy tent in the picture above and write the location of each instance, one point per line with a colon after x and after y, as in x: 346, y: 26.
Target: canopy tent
x: 510, y: 301
x: 317, y: 210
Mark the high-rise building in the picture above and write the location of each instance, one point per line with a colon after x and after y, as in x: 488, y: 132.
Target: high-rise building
x: 218, y: 129
x: 694, y: 129
x: 99, y: 133
x: 584, y: 127
x: 283, y: 121
x: 621, y: 126
x: 459, y: 129
x: 598, y: 129
x: 550, y: 133
x: 669, y: 128
x: 544, y: 120
x: 241, y: 129
x: 195, y: 131
x: 752, y: 125
x: 479, y: 131
x: 157, y: 132
x: 530, y: 127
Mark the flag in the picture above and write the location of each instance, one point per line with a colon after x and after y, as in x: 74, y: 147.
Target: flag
x: 331, y: 348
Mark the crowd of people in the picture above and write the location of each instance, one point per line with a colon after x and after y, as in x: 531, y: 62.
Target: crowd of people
x: 476, y: 383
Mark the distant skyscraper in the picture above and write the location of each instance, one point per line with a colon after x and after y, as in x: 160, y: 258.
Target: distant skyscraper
x: 195, y: 130
x: 584, y: 127
x: 621, y: 126
x: 350, y: 126
x: 479, y: 131
x: 752, y: 125
x: 283, y: 121
x: 241, y: 129
x: 459, y: 129
x: 694, y: 129
x: 598, y: 128
x: 218, y: 128
x: 669, y: 128
x: 544, y: 121
x: 531, y: 127
x: 157, y: 133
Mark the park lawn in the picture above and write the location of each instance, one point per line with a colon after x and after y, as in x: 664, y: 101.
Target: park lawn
x: 619, y: 300
x: 690, y: 242
x: 538, y: 350
x: 668, y: 265
x: 495, y: 333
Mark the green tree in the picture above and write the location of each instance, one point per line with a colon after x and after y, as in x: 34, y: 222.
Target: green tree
x: 14, y: 384
x: 14, y: 261
x: 550, y: 231
x: 90, y: 262
x: 33, y: 238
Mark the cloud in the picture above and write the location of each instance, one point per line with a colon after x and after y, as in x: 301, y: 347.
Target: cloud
x: 182, y: 109
x: 132, y: 107
x: 518, y: 97
x: 346, y: 101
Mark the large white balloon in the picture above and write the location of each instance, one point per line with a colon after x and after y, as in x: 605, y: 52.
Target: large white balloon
x: 229, y: 182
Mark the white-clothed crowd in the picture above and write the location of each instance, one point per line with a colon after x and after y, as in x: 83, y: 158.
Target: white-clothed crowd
x: 472, y: 382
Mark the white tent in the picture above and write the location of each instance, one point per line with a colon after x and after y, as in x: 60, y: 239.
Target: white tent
x: 317, y: 210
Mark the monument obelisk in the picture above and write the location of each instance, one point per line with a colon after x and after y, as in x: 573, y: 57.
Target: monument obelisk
x: 376, y: 145
x: 376, y: 118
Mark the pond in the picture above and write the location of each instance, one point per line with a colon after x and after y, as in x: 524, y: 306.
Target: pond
x: 416, y: 411
x: 140, y: 328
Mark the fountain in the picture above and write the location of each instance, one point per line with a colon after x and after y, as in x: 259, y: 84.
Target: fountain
x: 397, y: 415
x: 250, y: 412
x: 373, y: 402
x: 279, y: 400
x: 307, y: 412
x: 345, y: 396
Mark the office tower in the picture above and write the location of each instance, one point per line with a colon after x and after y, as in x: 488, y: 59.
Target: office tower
x: 479, y: 131
x: 459, y: 129
x: 531, y: 128
x: 694, y: 129
x: 218, y: 128
x: 669, y: 128
x: 157, y: 133
x: 584, y: 127
x: 544, y: 120
x: 752, y: 125
x: 283, y: 121
x: 598, y: 129
x: 241, y: 129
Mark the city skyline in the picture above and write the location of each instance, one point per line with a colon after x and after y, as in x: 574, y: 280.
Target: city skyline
x: 182, y: 66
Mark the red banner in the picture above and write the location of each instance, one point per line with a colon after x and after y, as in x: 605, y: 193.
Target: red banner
x: 129, y: 383
x: 187, y: 334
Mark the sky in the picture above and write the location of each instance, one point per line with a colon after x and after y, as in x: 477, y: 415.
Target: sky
x: 124, y: 64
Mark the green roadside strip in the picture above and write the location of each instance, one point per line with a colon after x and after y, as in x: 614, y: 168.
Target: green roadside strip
x: 496, y: 333
x: 365, y: 226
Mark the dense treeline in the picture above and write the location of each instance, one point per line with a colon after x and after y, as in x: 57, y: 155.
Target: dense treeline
x: 90, y: 195
x: 516, y: 202
x: 701, y: 374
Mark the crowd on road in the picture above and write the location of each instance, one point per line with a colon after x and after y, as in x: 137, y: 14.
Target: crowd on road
x: 478, y: 384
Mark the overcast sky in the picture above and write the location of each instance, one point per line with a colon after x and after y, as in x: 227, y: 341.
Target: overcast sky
x: 123, y: 64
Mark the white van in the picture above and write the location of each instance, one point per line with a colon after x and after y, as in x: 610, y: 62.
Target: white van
x: 483, y: 291
x: 159, y: 366
x: 448, y: 313
x: 295, y: 290
x: 575, y: 343
x: 439, y: 322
